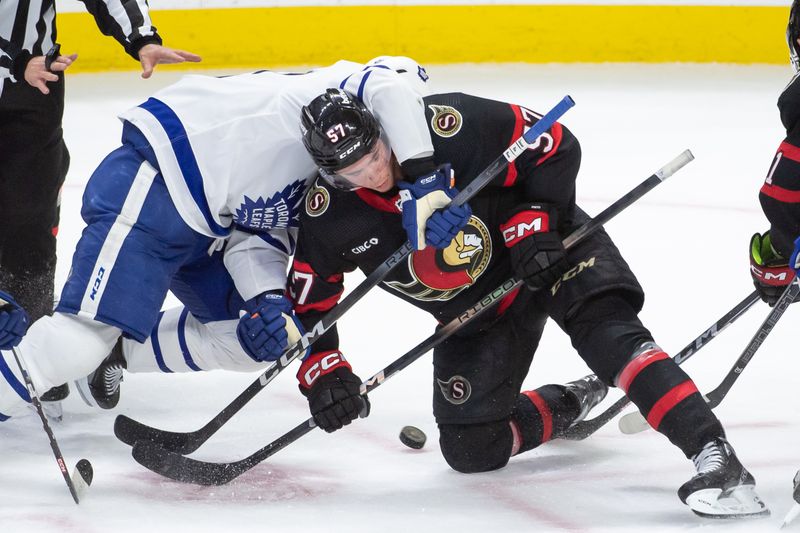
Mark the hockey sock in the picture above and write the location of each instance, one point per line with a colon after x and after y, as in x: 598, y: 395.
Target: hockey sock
x: 541, y: 415
x: 606, y: 331
x: 181, y: 343
x: 669, y: 400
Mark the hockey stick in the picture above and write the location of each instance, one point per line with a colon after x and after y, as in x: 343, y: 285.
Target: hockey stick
x: 789, y: 295
x: 181, y: 468
x: 129, y: 431
x: 635, y: 422
x: 584, y: 429
x: 81, y: 477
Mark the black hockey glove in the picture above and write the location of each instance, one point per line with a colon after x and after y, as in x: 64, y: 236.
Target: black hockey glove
x: 537, y: 256
x: 333, y: 391
x: 771, y: 271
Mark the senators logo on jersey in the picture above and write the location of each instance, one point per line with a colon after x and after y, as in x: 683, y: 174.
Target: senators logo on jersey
x: 440, y: 274
x: 317, y: 201
x: 446, y: 120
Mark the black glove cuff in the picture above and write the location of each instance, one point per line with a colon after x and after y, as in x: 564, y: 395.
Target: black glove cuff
x: 139, y: 43
x: 552, y: 212
x: 414, y: 168
x: 19, y: 64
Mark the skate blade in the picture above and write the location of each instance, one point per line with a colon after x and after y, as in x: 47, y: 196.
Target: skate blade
x: 738, y: 502
x: 791, y: 515
x: 54, y: 411
x: 82, y: 386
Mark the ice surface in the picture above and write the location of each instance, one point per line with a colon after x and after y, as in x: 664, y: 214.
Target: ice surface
x: 687, y: 242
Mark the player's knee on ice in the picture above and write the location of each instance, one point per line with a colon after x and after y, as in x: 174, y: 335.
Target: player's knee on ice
x: 472, y: 448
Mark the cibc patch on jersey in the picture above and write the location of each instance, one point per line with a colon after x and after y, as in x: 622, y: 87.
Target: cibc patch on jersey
x: 446, y: 120
x: 440, y: 274
x: 317, y: 200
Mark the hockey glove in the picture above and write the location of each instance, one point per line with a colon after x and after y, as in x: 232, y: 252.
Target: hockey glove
x: 794, y: 260
x: 333, y: 391
x: 13, y: 322
x: 771, y: 272
x: 267, y: 327
x: 421, y: 202
x: 537, y: 256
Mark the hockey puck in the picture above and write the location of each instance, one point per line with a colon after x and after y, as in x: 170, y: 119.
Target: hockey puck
x: 413, y: 437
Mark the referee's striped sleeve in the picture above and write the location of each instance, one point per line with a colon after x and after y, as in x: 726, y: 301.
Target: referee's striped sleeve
x: 128, y: 21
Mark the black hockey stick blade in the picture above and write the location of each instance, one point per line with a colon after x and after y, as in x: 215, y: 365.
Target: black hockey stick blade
x: 788, y: 297
x: 584, y: 429
x: 180, y: 468
x: 130, y: 433
x: 187, y: 470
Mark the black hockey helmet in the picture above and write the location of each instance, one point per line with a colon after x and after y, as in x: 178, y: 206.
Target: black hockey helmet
x: 792, y: 33
x: 338, y: 130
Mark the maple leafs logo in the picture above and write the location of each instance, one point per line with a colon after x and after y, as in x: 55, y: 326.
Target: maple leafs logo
x: 281, y: 210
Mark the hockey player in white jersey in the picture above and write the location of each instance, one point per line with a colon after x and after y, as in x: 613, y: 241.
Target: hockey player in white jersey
x: 202, y: 199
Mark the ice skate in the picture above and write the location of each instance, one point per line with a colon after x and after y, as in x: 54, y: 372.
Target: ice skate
x: 722, y: 487
x: 589, y: 391
x: 795, y: 510
x: 101, y: 388
x: 51, y: 402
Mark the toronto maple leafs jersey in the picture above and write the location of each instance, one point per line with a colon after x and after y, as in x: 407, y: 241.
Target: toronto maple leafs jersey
x: 231, y: 153
x: 780, y: 194
x: 343, y: 231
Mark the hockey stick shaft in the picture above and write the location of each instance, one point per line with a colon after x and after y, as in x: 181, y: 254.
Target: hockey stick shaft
x: 789, y: 295
x: 62, y: 464
x: 584, y: 429
x: 635, y: 423
x: 129, y: 431
x: 188, y: 470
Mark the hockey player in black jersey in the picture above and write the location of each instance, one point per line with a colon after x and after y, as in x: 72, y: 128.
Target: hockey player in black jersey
x: 780, y: 195
x: 352, y: 220
x: 774, y: 254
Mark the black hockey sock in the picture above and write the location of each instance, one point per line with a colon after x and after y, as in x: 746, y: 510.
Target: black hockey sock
x: 606, y: 331
x: 669, y: 400
x: 541, y: 415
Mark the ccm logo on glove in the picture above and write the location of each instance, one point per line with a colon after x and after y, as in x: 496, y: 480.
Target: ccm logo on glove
x: 315, y: 366
x: 523, y: 224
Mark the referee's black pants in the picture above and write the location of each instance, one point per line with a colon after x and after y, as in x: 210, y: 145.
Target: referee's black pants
x: 33, y: 164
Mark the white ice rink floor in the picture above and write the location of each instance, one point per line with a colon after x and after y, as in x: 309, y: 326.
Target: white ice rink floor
x: 687, y: 242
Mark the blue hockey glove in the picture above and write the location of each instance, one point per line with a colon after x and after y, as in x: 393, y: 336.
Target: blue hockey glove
x: 424, y: 220
x: 267, y: 327
x: 795, y: 257
x: 13, y: 322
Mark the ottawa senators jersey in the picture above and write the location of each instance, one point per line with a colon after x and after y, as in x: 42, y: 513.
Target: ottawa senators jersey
x: 780, y: 194
x: 342, y: 231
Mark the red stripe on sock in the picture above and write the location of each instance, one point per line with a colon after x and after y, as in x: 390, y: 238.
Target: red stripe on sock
x: 636, y: 365
x: 668, y: 401
x: 544, y: 411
